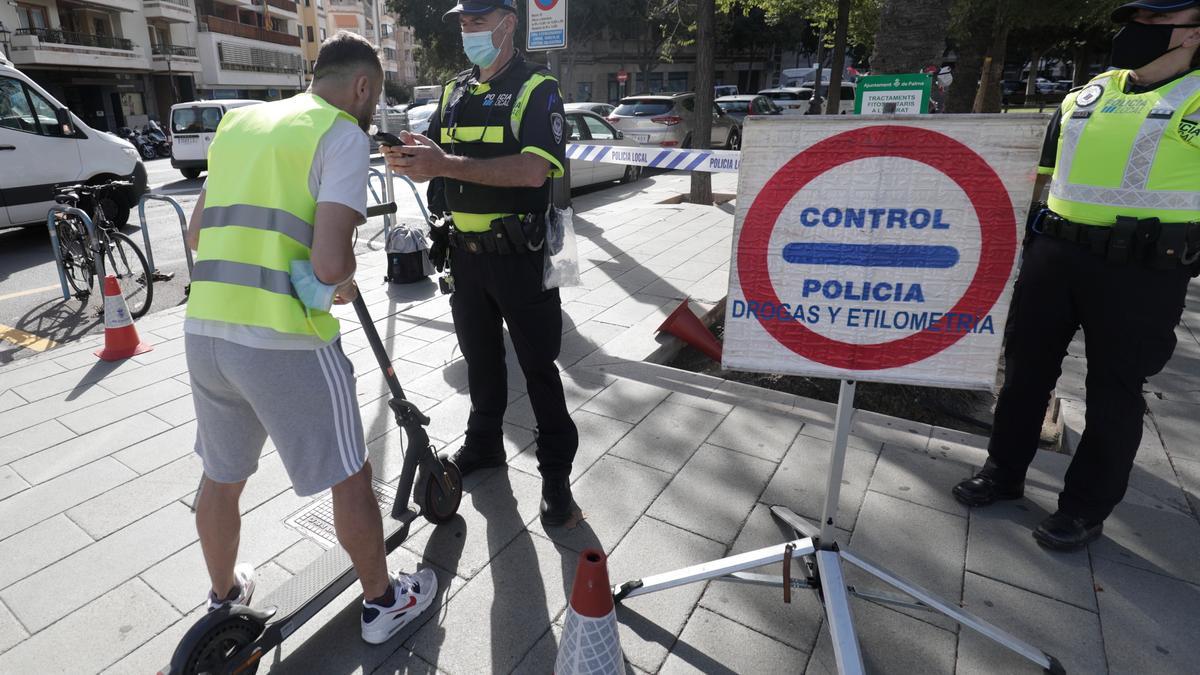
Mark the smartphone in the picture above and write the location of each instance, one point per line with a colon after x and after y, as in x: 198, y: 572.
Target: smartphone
x: 384, y: 138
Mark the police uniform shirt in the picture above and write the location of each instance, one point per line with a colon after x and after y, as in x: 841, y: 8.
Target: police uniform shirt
x: 482, y: 112
x: 1189, y: 128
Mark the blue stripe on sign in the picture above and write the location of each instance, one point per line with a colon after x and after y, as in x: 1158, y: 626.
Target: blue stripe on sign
x: 603, y: 154
x: 872, y: 255
x: 661, y: 156
x: 675, y: 162
x: 699, y: 160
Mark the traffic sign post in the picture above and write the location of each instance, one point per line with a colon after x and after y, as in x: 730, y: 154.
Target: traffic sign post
x: 547, y: 22
x: 879, y: 250
x: 900, y: 94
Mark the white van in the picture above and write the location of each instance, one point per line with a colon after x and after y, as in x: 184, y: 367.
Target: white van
x: 192, y: 128
x: 42, y: 145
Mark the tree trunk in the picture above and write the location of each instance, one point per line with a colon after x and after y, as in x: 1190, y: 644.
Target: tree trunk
x: 839, y: 58
x: 972, y: 40
x: 702, y: 134
x: 989, y: 98
x: 911, y: 35
x: 1082, y: 55
x: 1035, y: 60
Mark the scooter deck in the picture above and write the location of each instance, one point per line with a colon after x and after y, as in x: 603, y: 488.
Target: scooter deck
x: 322, y: 580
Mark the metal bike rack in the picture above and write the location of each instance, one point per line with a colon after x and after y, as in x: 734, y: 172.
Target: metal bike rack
x: 160, y: 276
x: 97, y: 255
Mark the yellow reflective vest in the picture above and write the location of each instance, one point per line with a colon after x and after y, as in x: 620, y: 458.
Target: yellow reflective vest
x: 1128, y: 154
x: 259, y: 215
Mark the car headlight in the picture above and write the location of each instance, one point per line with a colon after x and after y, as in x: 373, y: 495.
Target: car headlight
x: 131, y: 153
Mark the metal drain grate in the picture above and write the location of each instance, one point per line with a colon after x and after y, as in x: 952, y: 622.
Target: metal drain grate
x: 315, y: 520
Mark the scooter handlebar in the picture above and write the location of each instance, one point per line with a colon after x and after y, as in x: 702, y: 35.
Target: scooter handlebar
x: 381, y: 209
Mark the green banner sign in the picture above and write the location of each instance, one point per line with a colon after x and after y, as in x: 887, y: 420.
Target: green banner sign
x: 906, y: 94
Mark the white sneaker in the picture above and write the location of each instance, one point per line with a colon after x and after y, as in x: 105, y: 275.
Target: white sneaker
x: 414, y: 594
x: 244, y: 574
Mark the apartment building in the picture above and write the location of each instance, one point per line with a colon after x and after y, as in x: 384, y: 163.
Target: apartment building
x: 314, y: 21
x: 249, y: 49
x: 395, y: 41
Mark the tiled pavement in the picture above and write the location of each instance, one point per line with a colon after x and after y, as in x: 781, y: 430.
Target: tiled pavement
x: 100, y: 570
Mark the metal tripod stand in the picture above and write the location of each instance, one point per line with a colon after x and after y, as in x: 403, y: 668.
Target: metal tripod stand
x: 823, y: 564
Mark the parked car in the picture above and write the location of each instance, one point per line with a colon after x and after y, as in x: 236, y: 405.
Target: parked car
x: 419, y: 117
x: 845, y: 102
x: 42, y: 144
x: 601, y: 109
x: 790, y: 99
x: 193, y: 126
x: 667, y: 121
x: 722, y: 90
x: 588, y: 128
x: 739, y: 106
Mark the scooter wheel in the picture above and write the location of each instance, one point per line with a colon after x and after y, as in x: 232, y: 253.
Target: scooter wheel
x: 214, y: 651
x: 437, y: 505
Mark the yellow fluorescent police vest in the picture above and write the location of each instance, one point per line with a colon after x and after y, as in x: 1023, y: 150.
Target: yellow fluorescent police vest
x: 258, y: 217
x: 1123, y: 154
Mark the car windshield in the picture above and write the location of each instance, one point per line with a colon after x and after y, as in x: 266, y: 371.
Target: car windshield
x: 636, y: 107
x: 195, y: 120
x: 734, y: 106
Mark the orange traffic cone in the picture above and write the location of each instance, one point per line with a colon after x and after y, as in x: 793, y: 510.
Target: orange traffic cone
x: 684, y: 325
x: 121, y: 340
x: 590, y: 643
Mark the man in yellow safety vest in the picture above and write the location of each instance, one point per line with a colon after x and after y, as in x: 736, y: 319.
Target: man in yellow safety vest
x: 273, y: 231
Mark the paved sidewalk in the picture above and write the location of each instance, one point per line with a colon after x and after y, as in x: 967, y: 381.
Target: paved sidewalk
x: 100, y: 556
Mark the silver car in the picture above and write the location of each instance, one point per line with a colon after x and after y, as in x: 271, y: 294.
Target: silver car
x: 588, y: 128
x: 667, y: 121
x: 601, y: 109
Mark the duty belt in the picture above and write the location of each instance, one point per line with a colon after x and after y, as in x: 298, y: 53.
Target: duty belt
x: 1147, y: 241
x: 510, y: 235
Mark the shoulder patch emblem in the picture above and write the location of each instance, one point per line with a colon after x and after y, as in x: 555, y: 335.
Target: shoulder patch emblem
x: 1089, y: 95
x: 556, y: 126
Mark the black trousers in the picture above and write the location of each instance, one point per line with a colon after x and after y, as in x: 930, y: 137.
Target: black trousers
x: 490, y: 289
x: 1128, y: 314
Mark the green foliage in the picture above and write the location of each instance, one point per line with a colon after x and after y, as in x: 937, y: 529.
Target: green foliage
x: 395, y: 92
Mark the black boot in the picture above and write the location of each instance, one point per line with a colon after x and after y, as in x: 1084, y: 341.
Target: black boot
x: 1065, y: 532
x: 557, y: 504
x: 983, y: 489
x: 469, y: 459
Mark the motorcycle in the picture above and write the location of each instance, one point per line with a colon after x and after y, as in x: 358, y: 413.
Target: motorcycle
x: 143, y: 145
x: 155, y: 134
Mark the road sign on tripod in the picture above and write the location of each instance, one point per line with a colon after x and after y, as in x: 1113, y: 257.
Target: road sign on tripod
x: 879, y: 250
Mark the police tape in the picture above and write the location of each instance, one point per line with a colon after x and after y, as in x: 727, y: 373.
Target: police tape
x: 710, y: 161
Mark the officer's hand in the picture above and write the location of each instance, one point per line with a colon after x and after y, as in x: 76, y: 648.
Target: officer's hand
x: 346, y: 293
x: 420, y: 158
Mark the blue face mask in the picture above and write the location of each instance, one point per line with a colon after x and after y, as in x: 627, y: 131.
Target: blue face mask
x: 479, y: 48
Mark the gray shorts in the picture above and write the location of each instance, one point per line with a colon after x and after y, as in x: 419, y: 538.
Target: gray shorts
x: 303, y: 399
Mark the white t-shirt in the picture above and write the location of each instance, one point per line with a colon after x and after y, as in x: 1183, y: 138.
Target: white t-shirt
x: 338, y: 175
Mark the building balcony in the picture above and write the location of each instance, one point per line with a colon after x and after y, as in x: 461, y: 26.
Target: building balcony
x: 53, y: 47
x: 285, y: 5
x: 171, y: 11
x: 212, y: 24
x: 229, y: 61
x: 174, y: 59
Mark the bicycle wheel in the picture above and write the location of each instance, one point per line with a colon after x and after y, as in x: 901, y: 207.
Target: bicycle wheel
x: 76, y: 256
x: 124, y: 260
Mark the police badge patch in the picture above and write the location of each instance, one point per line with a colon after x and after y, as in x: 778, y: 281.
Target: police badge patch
x: 1089, y: 95
x: 556, y: 126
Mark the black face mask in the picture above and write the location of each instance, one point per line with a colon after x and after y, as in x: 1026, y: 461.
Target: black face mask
x: 1138, y: 44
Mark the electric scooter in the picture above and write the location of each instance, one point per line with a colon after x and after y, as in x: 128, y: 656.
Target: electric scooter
x: 234, y: 638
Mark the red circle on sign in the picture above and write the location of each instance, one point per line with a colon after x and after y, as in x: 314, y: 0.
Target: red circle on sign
x: 545, y: 5
x: 967, y: 169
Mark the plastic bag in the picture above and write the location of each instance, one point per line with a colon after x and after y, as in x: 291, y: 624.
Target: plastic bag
x: 562, y: 252
x: 407, y: 255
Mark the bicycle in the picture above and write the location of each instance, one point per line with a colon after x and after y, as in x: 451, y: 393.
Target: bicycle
x: 122, y: 258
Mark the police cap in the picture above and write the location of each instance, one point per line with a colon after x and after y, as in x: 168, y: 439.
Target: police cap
x: 479, y: 7
x: 1125, y: 12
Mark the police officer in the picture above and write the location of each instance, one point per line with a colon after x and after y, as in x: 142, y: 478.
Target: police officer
x: 1113, y: 254
x: 497, y: 137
